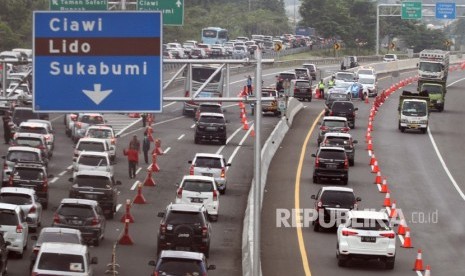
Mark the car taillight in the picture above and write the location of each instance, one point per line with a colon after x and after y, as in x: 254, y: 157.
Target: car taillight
x: 346, y: 163
x: 345, y: 129
x: 317, y: 162
x: 204, y: 231
x: 331, y: 113
x: 19, y: 228
x: 162, y: 228
x: 113, y: 141
x: 388, y: 235
x: 10, y: 181
x: 95, y: 221
x: 32, y: 210
x: 215, y: 195
x: 155, y: 273
x: 56, y: 218
x: 45, y: 186
x: 353, y: 113
x: 186, y: 94
x: 319, y: 205
x: 78, y: 125
x: 191, y: 170
x: 223, y: 173
x: 179, y: 193
x: 34, y: 274
x: 323, y: 128
x: 349, y: 233
x: 296, y: 90
x: 35, y: 251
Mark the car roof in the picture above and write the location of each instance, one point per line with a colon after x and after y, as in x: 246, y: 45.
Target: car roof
x: 334, y: 118
x: 198, y: 177
x: 338, y: 134
x: 22, y: 148
x: 94, y: 153
x: 211, y: 114
x: 336, y: 188
x: 367, y: 214
x: 182, y: 255
x: 88, y: 139
x: 28, y: 134
x: 99, y: 126
x: 33, y: 124
x: 183, y: 207
x: 18, y: 190
x: 211, y: 155
x: 332, y: 148
x: 94, y: 173
x: 79, y: 201
x: 28, y: 164
x: 62, y: 247
x: 60, y: 230
x: 8, y: 206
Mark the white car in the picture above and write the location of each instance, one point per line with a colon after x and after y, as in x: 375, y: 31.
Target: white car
x: 370, y: 85
x: 82, y: 122
x: 107, y: 133
x: 91, y: 144
x: 213, y: 165
x: 389, y: 57
x: 199, y: 190
x: 366, y: 70
x: 38, y: 128
x: 27, y: 200
x: 14, y: 227
x: 92, y: 160
x: 366, y: 235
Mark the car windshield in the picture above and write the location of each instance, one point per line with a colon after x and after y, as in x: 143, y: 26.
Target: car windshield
x: 76, y: 210
x: 337, y: 141
x: 414, y: 109
x: 345, y: 76
x: 331, y: 154
x: 433, y: 89
x: 28, y: 142
x: 15, y: 156
x: 302, y: 84
x: 8, y: 217
x: 366, y: 80
x: 343, y: 85
x: 365, y: 72
x: 175, y: 266
x: 90, y: 119
x: 28, y: 174
x: 340, y: 106
x: 430, y: 67
x: 389, y: 56
x: 61, y: 262
x: 99, y: 133
x: 369, y: 224
x: 197, y: 186
x: 31, y: 129
x: 337, y: 96
x: 212, y: 119
x: 93, y: 181
x: 330, y: 123
x: 91, y: 146
x: 58, y: 237
x: 341, y: 198
x: 208, y: 162
x: 14, y: 198
x: 92, y: 160
x: 284, y: 76
x: 178, y: 217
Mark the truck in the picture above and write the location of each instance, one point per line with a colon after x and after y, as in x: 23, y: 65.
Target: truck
x: 436, y: 91
x: 433, y: 65
x: 413, y: 111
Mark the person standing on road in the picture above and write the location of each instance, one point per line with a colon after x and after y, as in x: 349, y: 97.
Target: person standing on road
x: 146, y: 147
x: 6, y: 127
x: 144, y: 119
x: 249, y: 85
x: 321, y: 87
x: 133, y: 161
x: 135, y: 144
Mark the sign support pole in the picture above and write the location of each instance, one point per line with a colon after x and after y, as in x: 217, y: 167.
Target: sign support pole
x: 4, y: 71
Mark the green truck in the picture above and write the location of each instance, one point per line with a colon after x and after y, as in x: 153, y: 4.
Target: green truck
x: 436, y: 91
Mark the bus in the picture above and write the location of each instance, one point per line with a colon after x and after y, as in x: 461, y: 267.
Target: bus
x: 214, y: 35
x: 200, y: 74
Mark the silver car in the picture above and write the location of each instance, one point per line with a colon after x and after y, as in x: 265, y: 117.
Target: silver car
x: 213, y: 165
x: 27, y: 200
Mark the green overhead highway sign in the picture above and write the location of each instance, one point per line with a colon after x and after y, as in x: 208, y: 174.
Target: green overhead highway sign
x: 78, y: 5
x: 411, y: 10
x: 173, y: 10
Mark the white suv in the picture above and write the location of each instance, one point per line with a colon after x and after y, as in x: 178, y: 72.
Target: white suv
x: 14, y: 227
x: 213, y: 165
x: 28, y: 201
x: 104, y: 132
x: 366, y: 235
x: 199, y: 190
x: 93, y: 160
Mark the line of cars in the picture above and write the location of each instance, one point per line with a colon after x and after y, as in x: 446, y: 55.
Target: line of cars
x: 361, y: 234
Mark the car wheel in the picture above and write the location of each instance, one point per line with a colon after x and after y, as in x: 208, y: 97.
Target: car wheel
x: 111, y: 215
x: 402, y: 129
x: 316, y: 227
x: 423, y: 130
x: 315, y: 179
x: 389, y: 262
x: 341, y: 262
x: 222, y: 192
x: 309, y: 99
x: 345, y: 181
x: 213, y: 218
x: 351, y: 162
x: 96, y: 242
x: 196, y: 140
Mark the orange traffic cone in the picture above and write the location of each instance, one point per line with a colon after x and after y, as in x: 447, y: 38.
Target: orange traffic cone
x: 370, y: 125
x: 154, y: 166
x: 418, y: 266
x: 428, y: 271
x: 241, y: 105
x: 242, y: 113
x: 366, y: 100
x: 384, y: 187
x: 401, y: 228
x: 139, y: 198
x: 125, y: 238
x: 378, y: 178
x: 158, y: 149
x: 252, y: 132
x: 368, y: 136
x: 372, y: 161
x: 246, y: 125
x: 243, y: 118
x: 387, y: 200
x: 317, y: 93
x: 370, y: 145
x: 149, y: 181
x: 407, y: 240
x: 127, y: 215
x: 393, y: 213
x: 375, y: 167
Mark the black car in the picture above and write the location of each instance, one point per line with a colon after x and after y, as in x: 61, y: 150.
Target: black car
x: 184, y: 227
x: 331, y: 163
x: 302, y: 89
x: 331, y: 203
x: 344, y: 140
x: 344, y: 109
x: 84, y: 215
x: 335, y: 95
x: 181, y: 263
x: 96, y: 185
x: 31, y: 175
x: 211, y: 126
x: 3, y: 255
x: 208, y: 107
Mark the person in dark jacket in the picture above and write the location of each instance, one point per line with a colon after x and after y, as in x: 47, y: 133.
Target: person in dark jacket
x: 146, y: 147
x: 6, y: 127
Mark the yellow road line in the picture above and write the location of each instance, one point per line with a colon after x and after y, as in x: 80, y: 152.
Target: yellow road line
x: 298, y: 175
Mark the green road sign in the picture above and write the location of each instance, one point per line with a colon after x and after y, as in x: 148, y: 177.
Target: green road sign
x: 78, y: 5
x: 173, y: 10
x: 411, y: 10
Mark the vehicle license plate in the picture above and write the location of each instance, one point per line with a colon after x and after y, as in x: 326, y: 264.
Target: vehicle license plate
x: 331, y: 166
x: 197, y: 200
x: 207, y: 174
x: 368, y: 239
x: 211, y: 128
x: 90, y: 196
x: 413, y: 126
x: 76, y: 222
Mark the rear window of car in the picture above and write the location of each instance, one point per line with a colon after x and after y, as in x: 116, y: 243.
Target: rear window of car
x: 337, y: 141
x: 365, y: 72
x: 344, y: 199
x: 76, y: 210
x: 100, y: 133
x: 91, y: 146
x: 287, y: 76
x: 369, y: 224
x: 332, y: 154
x: 61, y: 262
x: 337, y: 96
x: 30, y: 129
x: 210, y: 108
x: 345, y: 76
x: 208, y: 162
x: 197, y: 186
x: 28, y: 174
x: 342, y: 106
x: 58, y: 237
x: 212, y: 119
x: 92, y: 160
x: 16, y: 199
x: 302, y: 84
x: 93, y: 181
x: 15, y: 156
x: 331, y: 123
x: 8, y: 217
x: 178, y: 217
x: 28, y: 142
x: 175, y: 266
x: 310, y: 67
x: 88, y: 119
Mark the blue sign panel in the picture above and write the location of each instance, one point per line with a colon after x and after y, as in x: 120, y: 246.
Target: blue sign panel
x: 445, y: 10
x: 97, y: 61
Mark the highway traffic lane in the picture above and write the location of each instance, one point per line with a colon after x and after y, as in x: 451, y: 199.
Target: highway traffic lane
x: 421, y: 186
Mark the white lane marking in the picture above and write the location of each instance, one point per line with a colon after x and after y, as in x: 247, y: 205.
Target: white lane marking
x: 446, y: 169
x: 192, y: 126
x: 419, y: 273
x: 229, y: 139
x: 401, y: 239
x: 181, y: 136
x: 159, y: 123
x: 118, y: 207
x: 128, y: 126
x: 138, y: 170
x: 133, y: 187
x: 62, y: 173
x: 69, y: 167
x: 54, y: 180
x: 239, y: 146
x: 379, y: 187
x: 166, y: 150
x: 231, y: 105
x: 56, y: 118
x: 166, y: 105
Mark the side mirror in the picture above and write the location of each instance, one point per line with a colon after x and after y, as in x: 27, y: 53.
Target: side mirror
x: 7, y: 243
x: 189, y: 162
x: 356, y: 108
x: 94, y: 260
x: 33, y: 237
x: 8, y: 173
x: 152, y: 263
x: 118, y: 182
x: 313, y: 197
x: 161, y: 214
x: 50, y: 176
x: 355, y: 141
x: 71, y: 179
x: 211, y: 267
x: 313, y: 155
x: 228, y: 165
x: 358, y: 199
